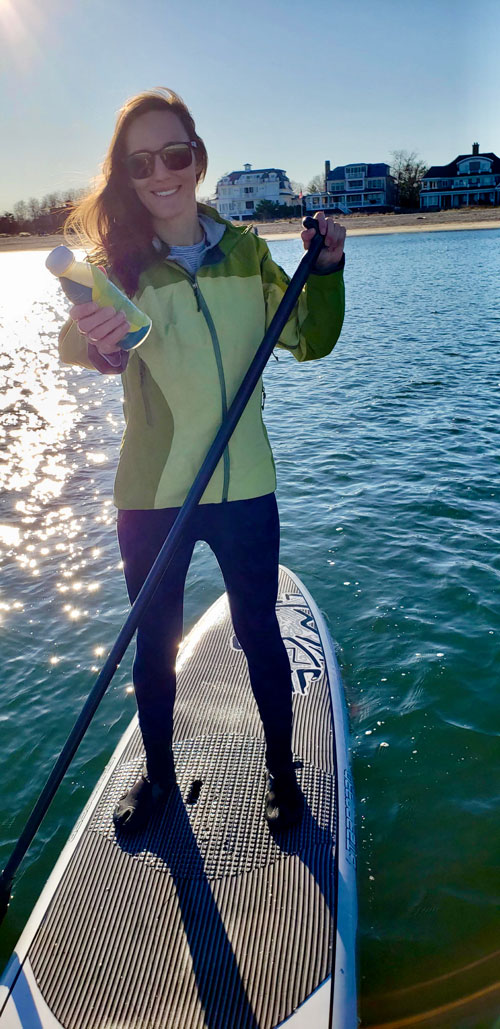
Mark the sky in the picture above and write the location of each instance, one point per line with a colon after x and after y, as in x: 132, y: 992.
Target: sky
x: 275, y: 83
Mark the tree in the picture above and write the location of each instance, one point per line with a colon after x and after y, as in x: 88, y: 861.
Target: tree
x: 269, y: 209
x: 21, y: 212
x: 408, y: 171
x: 50, y: 201
x: 33, y: 208
x: 8, y: 224
x: 317, y: 184
x: 71, y: 196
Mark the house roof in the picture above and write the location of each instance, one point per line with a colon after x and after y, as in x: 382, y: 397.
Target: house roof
x: 449, y: 171
x: 263, y: 172
x: 373, y: 170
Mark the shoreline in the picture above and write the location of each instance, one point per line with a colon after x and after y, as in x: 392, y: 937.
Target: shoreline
x: 387, y: 224
x: 390, y: 229
x: 355, y: 224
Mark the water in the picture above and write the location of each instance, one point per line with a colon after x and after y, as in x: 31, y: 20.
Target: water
x: 388, y: 460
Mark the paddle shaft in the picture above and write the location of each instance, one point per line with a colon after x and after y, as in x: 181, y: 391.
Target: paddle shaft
x: 162, y: 562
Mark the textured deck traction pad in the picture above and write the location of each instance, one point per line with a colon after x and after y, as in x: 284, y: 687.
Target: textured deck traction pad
x: 206, y: 919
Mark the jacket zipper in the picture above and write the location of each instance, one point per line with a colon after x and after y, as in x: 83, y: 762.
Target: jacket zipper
x: 203, y: 307
x: 145, y: 398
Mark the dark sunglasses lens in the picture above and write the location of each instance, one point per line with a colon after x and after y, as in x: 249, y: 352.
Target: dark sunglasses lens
x: 139, y: 166
x: 176, y: 157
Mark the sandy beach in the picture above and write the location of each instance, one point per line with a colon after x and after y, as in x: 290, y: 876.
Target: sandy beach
x: 356, y: 225
x: 378, y: 224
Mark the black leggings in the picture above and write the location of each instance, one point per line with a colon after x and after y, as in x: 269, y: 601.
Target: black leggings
x: 244, y: 536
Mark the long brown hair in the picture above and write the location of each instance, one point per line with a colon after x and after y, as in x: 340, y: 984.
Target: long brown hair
x: 111, y: 219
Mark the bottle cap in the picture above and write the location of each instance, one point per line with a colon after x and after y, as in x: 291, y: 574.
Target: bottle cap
x: 59, y: 260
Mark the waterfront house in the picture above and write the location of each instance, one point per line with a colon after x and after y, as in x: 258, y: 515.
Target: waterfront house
x: 469, y: 180
x: 239, y: 192
x: 355, y: 187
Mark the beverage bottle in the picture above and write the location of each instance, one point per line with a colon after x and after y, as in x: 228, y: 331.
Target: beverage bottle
x: 83, y: 282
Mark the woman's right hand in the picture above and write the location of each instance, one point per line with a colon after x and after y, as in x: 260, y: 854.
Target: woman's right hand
x: 104, y: 327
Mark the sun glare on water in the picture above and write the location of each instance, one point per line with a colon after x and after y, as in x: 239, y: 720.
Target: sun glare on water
x: 36, y: 410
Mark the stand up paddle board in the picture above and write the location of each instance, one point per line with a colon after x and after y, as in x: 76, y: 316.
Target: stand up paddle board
x: 207, y: 920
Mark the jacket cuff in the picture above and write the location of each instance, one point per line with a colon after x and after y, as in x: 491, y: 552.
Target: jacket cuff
x: 104, y: 366
x: 330, y: 271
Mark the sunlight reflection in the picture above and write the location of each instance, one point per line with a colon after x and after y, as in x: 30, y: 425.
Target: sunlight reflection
x: 96, y: 458
x: 52, y: 461
x: 9, y: 535
x: 37, y: 413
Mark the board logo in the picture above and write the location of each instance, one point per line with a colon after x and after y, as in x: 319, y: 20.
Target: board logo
x: 301, y: 639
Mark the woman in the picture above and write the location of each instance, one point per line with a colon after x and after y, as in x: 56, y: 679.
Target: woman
x: 210, y: 289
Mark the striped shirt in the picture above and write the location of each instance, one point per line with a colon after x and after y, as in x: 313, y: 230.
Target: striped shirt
x: 190, y: 258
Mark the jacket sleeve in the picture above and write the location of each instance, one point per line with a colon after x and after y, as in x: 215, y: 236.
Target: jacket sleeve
x: 316, y: 321
x: 74, y: 348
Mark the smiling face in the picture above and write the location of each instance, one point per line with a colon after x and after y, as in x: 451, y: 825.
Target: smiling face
x: 169, y: 196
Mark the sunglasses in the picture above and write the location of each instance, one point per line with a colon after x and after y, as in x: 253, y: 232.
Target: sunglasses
x: 175, y: 157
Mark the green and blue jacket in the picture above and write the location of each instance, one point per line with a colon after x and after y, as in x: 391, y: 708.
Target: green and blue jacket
x: 179, y: 383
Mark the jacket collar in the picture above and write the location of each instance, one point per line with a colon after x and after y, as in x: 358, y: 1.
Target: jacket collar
x: 220, y: 235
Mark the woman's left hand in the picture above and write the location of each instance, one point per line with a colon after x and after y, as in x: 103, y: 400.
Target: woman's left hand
x: 334, y: 235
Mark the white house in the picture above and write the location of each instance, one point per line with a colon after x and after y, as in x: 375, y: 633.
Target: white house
x: 239, y: 192
x: 471, y: 179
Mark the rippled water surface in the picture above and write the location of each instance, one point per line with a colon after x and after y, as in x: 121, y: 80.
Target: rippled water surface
x: 388, y: 460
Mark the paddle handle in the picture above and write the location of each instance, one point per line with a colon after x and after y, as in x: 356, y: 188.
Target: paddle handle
x: 162, y: 562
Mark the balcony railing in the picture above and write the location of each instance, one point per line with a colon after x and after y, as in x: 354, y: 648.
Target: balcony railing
x: 452, y: 184
x: 337, y: 201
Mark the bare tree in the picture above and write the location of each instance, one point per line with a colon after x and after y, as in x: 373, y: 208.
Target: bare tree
x: 71, y: 196
x: 21, y: 211
x: 317, y: 184
x: 50, y: 201
x: 33, y: 208
x: 408, y: 171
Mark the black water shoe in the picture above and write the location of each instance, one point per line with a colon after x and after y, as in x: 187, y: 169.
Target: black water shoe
x: 284, y: 801
x: 134, y: 809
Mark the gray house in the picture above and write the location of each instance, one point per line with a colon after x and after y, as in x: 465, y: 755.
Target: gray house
x: 469, y: 180
x: 355, y: 187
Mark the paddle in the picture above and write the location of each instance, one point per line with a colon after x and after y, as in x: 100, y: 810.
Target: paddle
x: 161, y: 564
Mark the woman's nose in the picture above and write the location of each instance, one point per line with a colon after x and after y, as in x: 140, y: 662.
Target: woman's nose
x: 158, y: 165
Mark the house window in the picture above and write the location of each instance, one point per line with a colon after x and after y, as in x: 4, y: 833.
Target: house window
x: 248, y: 189
x: 249, y: 205
x: 355, y: 183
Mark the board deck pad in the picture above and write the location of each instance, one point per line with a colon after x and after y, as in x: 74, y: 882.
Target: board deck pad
x: 205, y: 919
